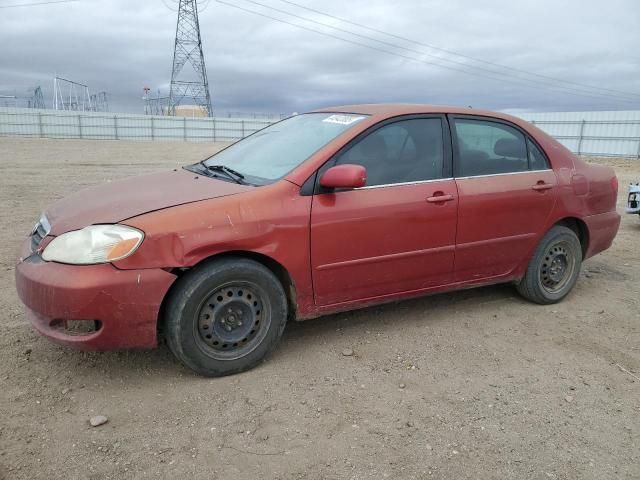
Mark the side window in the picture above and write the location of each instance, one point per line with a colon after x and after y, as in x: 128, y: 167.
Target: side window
x: 489, y: 148
x: 404, y: 151
x: 537, y: 160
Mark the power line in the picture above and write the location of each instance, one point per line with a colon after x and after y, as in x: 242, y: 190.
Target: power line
x: 407, y: 57
x: 17, y: 5
x: 452, y: 52
x: 593, y: 92
x: 462, y: 65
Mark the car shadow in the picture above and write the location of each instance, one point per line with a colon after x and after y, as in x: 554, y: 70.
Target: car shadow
x: 388, y: 315
x: 159, y: 365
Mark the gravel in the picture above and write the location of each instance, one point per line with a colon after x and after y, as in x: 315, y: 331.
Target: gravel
x: 492, y: 372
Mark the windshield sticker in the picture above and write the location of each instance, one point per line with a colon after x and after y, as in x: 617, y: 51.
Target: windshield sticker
x: 343, y: 119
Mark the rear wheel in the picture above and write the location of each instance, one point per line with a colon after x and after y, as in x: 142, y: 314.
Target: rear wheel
x: 554, y: 267
x: 225, y: 316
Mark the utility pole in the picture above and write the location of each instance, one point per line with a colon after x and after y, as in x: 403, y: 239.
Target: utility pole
x: 191, y: 84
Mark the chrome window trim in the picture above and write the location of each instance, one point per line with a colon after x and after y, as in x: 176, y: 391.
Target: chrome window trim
x: 402, y: 184
x: 419, y: 182
x: 503, y: 174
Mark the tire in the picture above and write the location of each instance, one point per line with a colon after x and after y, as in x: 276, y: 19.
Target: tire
x: 225, y: 316
x: 554, y: 268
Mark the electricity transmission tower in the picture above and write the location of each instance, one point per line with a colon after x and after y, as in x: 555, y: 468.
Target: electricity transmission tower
x: 36, y: 100
x: 32, y: 99
x: 99, y: 102
x: 155, y: 105
x: 190, y: 83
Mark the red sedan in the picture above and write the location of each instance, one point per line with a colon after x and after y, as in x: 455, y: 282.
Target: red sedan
x: 322, y: 212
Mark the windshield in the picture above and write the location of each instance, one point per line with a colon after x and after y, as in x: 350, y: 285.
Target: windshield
x: 271, y: 153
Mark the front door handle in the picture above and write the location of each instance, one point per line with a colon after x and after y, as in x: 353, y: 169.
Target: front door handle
x: 541, y: 186
x: 439, y: 197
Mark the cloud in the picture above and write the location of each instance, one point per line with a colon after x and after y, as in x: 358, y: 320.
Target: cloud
x: 257, y: 64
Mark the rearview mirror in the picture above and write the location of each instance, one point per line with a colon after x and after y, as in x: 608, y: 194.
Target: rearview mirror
x: 344, y: 176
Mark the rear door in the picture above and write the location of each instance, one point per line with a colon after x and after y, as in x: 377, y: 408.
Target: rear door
x: 507, y: 192
x: 396, y: 234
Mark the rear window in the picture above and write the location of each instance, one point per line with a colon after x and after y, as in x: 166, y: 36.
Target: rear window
x: 489, y: 148
x: 537, y: 160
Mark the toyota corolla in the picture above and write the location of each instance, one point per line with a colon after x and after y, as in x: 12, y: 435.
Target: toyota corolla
x: 322, y: 212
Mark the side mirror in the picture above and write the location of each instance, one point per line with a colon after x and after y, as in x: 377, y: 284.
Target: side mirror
x: 344, y: 176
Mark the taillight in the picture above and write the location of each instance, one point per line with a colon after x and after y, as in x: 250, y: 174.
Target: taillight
x: 614, y: 184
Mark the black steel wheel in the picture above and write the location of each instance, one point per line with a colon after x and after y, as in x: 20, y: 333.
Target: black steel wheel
x: 557, y: 267
x: 225, y: 316
x: 233, y: 320
x: 554, y: 268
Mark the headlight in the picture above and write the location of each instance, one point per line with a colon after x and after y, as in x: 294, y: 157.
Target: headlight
x: 94, y: 244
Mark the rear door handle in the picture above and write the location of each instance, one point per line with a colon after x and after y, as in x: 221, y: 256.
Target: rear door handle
x: 440, y: 198
x: 541, y: 186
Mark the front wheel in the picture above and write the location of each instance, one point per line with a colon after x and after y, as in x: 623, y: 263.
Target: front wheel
x: 225, y: 316
x: 554, y: 267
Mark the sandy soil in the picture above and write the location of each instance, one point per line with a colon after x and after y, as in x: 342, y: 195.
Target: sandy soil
x: 474, y: 384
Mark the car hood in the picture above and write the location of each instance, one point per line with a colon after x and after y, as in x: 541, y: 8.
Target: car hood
x: 116, y: 201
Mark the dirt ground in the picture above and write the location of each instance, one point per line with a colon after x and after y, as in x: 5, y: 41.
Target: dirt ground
x: 476, y: 384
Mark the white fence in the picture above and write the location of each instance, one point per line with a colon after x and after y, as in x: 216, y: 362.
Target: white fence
x: 27, y: 122
x: 597, y: 134
x: 602, y: 134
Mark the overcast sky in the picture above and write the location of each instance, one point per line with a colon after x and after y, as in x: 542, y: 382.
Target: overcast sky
x: 257, y: 64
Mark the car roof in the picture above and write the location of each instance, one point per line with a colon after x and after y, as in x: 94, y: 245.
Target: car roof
x: 387, y: 110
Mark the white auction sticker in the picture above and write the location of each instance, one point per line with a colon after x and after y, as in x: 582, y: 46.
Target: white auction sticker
x: 343, y: 119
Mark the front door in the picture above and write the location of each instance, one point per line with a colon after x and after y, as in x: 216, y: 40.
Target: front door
x: 396, y: 234
x: 506, y: 191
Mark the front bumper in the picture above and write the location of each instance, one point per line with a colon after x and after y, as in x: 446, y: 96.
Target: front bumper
x: 633, y: 199
x: 124, y: 303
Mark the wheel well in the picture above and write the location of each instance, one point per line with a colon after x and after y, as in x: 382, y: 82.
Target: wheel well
x: 275, y: 267
x: 580, y: 229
